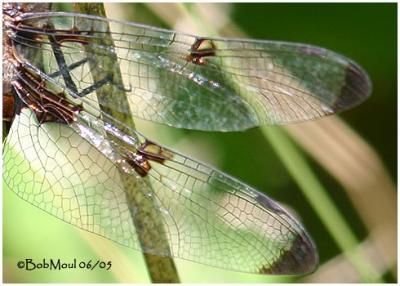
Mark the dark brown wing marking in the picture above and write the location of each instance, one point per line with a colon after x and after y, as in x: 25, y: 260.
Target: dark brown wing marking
x: 154, y: 152
x: 292, y: 259
x: 139, y: 163
x: 201, y: 48
x: 148, y: 151
x: 48, y: 106
x: 356, y: 86
x: 60, y: 35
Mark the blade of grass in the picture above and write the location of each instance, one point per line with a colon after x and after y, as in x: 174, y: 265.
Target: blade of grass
x: 161, y: 269
x: 318, y: 197
x: 328, y: 271
x: 354, y: 164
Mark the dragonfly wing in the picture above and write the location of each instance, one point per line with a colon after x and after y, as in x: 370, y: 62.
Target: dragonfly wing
x: 210, y: 217
x: 217, y: 220
x: 217, y: 84
x: 53, y: 168
x: 207, y: 216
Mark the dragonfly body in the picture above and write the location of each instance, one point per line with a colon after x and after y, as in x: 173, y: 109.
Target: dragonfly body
x: 184, y: 81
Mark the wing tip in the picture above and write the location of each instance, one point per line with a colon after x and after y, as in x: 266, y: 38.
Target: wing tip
x: 301, y: 258
x: 356, y: 89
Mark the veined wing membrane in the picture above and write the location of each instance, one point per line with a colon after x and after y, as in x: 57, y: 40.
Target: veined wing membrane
x: 202, y: 83
x: 208, y: 216
x: 226, y: 223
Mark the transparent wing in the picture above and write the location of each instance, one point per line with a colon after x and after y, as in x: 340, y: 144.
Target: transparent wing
x: 204, y: 83
x: 207, y: 216
x: 217, y: 220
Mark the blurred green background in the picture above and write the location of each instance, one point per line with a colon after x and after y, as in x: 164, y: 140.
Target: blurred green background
x: 363, y: 32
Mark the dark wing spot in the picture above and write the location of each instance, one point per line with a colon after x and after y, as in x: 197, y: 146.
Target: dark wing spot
x: 154, y: 152
x: 300, y: 258
x: 139, y: 163
x: 201, y: 48
x: 356, y: 88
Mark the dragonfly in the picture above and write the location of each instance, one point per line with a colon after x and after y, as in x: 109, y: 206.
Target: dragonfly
x: 72, y: 83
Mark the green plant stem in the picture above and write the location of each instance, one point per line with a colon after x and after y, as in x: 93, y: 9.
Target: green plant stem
x: 145, y: 215
x: 318, y: 197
